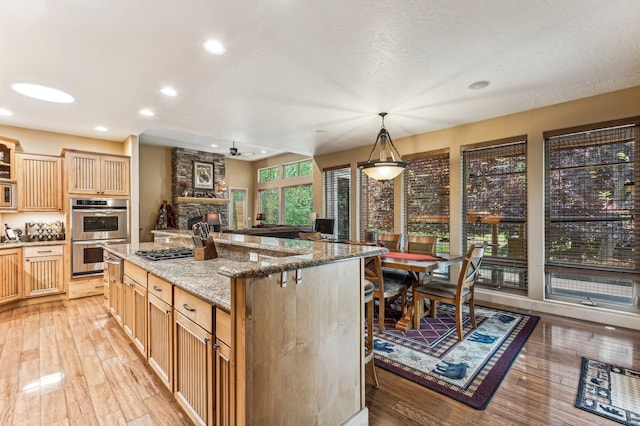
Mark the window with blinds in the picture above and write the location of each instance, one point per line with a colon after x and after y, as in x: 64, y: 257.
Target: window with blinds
x: 426, y: 196
x: 495, y: 209
x: 376, y: 205
x: 590, y: 244
x: 336, y: 192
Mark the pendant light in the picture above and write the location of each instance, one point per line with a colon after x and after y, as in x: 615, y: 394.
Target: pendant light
x: 387, y: 166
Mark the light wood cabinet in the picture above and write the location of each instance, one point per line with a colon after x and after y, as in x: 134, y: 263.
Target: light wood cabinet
x: 193, y: 357
x: 39, y: 182
x: 96, y: 174
x: 43, y: 270
x: 10, y: 275
x: 134, y: 314
x: 106, y: 287
x: 160, y: 329
x: 222, y: 377
x: 7, y: 158
x: 116, y: 297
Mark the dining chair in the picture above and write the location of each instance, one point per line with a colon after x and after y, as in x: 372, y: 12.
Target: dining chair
x: 390, y: 241
x: 384, y: 289
x: 454, y: 294
x: 422, y: 244
x: 312, y: 236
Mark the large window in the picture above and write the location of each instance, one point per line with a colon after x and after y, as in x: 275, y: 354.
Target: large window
x: 495, y: 209
x: 300, y: 168
x: 268, y: 174
x: 270, y: 205
x: 590, y: 244
x: 336, y: 193
x: 298, y: 202
x: 376, y: 205
x: 426, y: 199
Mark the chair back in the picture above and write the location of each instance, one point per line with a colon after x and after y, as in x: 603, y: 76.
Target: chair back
x: 310, y: 236
x: 391, y: 241
x: 373, y: 271
x: 471, y: 267
x: 422, y: 244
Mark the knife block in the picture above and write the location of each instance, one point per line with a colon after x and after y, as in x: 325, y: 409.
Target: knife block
x: 207, y: 252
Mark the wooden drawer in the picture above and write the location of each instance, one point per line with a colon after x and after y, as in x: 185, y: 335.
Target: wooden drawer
x: 83, y: 288
x: 42, y: 251
x: 195, y: 309
x: 161, y: 289
x: 136, y: 273
x: 223, y: 326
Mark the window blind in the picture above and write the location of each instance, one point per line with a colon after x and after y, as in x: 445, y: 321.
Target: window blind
x: 495, y: 209
x: 426, y: 196
x: 376, y: 205
x: 591, y: 254
x: 336, y: 183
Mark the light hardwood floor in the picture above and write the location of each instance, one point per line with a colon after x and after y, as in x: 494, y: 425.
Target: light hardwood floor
x: 70, y: 363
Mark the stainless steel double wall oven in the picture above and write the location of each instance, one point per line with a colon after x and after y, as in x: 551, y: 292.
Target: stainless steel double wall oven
x: 96, y: 221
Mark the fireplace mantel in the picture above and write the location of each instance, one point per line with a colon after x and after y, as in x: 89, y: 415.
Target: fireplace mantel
x: 201, y: 200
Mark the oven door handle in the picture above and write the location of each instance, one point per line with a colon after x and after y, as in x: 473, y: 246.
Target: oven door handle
x: 101, y: 212
x: 98, y: 242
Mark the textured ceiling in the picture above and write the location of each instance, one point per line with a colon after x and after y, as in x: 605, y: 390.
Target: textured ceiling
x: 304, y: 76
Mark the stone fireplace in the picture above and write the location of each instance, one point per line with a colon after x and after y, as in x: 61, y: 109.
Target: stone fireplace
x: 189, y: 202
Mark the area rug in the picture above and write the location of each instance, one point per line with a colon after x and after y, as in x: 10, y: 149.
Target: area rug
x: 470, y: 370
x: 609, y: 391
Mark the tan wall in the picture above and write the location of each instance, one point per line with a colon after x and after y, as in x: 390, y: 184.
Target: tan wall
x: 610, y: 106
x: 240, y: 174
x: 48, y: 143
x: 155, y: 185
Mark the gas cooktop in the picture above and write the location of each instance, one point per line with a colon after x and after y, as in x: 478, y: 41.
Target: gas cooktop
x: 166, y: 254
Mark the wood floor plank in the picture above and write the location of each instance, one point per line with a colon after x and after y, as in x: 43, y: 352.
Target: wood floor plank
x: 98, y: 364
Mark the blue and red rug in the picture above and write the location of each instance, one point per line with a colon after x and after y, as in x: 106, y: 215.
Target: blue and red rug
x: 470, y: 370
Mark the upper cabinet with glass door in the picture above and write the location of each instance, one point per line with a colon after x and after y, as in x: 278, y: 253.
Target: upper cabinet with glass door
x: 7, y: 158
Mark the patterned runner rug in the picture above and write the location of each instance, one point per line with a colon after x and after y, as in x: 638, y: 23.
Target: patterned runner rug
x: 469, y: 371
x: 609, y: 391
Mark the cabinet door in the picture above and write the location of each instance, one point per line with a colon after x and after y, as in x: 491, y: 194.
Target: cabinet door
x: 39, y: 182
x: 43, y: 275
x: 128, y: 303
x: 140, y: 318
x: 115, y: 299
x: 10, y: 275
x: 160, y: 344
x: 193, y: 369
x: 114, y: 175
x: 7, y: 158
x: 223, y: 389
x: 83, y: 173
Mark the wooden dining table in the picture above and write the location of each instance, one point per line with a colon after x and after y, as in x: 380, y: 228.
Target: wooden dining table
x: 416, y: 264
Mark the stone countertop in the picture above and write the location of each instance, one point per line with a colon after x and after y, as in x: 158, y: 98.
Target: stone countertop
x: 16, y: 244
x: 210, y: 279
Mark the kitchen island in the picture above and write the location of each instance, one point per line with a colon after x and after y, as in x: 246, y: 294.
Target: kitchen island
x: 286, y: 331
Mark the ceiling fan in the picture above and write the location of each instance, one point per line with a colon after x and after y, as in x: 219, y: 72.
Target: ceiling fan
x: 233, y: 151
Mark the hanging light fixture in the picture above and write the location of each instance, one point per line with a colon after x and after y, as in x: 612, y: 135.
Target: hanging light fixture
x: 387, y: 166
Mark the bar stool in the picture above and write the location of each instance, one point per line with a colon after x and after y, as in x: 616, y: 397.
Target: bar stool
x: 369, y: 352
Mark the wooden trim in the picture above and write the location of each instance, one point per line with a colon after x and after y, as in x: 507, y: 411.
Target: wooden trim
x: 426, y: 154
x: 504, y: 141
x: 586, y: 127
x: 342, y: 166
x: 201, y: 200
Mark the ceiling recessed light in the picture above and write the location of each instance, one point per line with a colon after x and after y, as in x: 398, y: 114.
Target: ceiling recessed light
x: 264, y: 151
x: 213, y: 145
x: 214, y: 46
x: 168, y: 91
x: 479, y: 85
x: 146, y: 112
x: 5, y: 112
x: 43, y: 93
x: 101, y: 128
